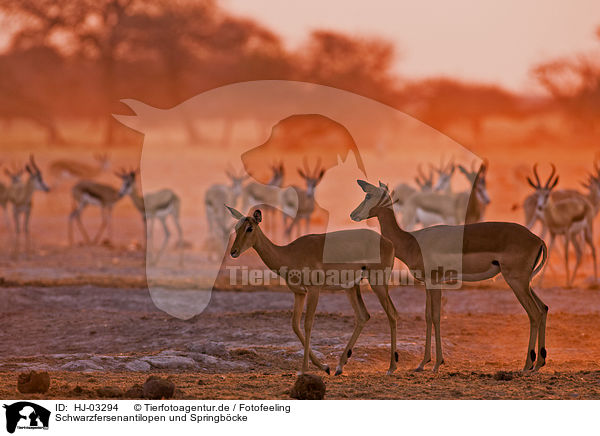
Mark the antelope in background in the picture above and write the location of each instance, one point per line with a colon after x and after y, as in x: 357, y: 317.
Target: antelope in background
x: 301, y: 204
x: 568, y: 213
x: 156, y: 205
x: 20, y: 195
x: 266, y: 195
x: 444, y: 181
x: 308, y: 252
x: 65, y: 168
x: 403, y: 191
x: 216, y: 216
x: 479, y: 199
x: 483, y: 249
x: 85, y: 193
x: 14, y: 176
x: 437, y: 207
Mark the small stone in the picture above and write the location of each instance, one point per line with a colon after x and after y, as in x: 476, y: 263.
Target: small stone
x: 156, y: 388
x: 308, y: 387
x: 33, y: 382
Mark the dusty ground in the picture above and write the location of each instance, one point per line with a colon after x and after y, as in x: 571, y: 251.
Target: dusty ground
x: 242, y: 346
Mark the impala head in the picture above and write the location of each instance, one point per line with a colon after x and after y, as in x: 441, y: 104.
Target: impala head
x: 237, y: 179
x: 312, y: 178
x: 376, y: 197
x: 425, y: 181
x: 14, y: 175
x: 445, y: 173
x: 127, y: 181
x: 35, y: 175
x: 246, y: 230
x: 543, y: 191
x: 277, y: 179
x: 593, y: 180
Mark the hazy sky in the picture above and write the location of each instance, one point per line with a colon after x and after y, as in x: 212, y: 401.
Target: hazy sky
x: 487, y: 41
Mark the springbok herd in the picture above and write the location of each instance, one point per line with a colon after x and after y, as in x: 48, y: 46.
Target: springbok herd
x: 487, y: 248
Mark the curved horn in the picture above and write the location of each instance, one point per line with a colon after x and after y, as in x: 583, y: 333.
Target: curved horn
x: 551, y: 176
x: 537, y: 177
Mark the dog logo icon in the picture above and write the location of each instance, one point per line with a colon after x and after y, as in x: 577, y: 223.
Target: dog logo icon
x: 26, y: 415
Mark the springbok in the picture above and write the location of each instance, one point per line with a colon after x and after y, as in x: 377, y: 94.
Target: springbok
x: 156, y: 205
x: 483, y: 249
x: 255, y: 194
x: 87, y: 192
x: 20, y: 195
x: 302, y: 260
x: 65, y: 168
x: 301, y: 203
x: 568, y: 213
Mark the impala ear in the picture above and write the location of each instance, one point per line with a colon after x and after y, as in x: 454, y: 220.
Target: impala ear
x: 384, y: 186
x: 554, y: 184
x: 531, y: 183
x: 366, y: 186
x: 235, y: 213
x: 257, y: 215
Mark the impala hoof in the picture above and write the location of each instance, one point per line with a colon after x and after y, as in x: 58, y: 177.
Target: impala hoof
x: 327, y: 370
x: 338, y: 372
x: 419, y: 369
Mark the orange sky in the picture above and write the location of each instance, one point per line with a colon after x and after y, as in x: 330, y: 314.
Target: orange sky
x: 485, y: 40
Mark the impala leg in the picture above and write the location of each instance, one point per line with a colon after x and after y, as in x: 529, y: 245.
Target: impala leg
x: 150, y: 241
x: 102, y: 226
x: 311, y: 306
x: 165, y: 241
x: 520, y: 287
x: 109, y: 224
x: 382, y: 294
x: 589, y: 239
x: 550, y: 247
x: 436, y: 310
x: 26, y: 231
x: 541, y: 360
x: 429, y: 323
x: 296, y: 316
x: 17, y: 233
x: 361, y: 316
x: 578, y: 256
x: 179, y: 238
x: 567, y: 240
x: 6, y: 218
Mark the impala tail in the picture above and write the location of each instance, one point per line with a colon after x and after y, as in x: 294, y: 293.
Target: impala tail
x: 544, y: 255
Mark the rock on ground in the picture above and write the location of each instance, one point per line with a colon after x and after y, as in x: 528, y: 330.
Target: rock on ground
x: 33, y: 382
x: 308, y: 387
x: 156, y: 388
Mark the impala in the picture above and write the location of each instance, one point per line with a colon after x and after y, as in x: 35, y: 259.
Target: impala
x: 86, y: 193
x: 20, y: 195
x: 304, y: 256
x: 568, y: 213
x: 156, y: 205
x: 481, y: 250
